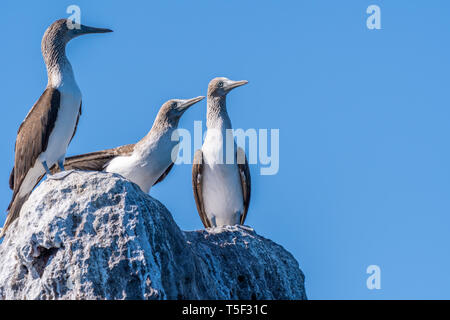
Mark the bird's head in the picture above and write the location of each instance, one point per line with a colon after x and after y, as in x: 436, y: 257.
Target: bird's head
x: 62, y: 31
x: 220, y: 87
x: 173, y: 109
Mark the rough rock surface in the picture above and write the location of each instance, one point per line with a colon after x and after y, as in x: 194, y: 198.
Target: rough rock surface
x: 98, y: 236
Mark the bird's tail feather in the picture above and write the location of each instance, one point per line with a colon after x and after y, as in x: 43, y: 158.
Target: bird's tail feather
x: 14, y: 211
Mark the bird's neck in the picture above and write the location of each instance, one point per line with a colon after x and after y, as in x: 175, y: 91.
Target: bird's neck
x: 161, y: 131
x: 59, y: 69
x: 217, y: 115
x: 161, y: 126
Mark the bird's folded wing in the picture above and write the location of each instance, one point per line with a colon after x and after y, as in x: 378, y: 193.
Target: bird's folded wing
x: 96, y: 161
x: 244, y: 173
x: 197, y: 175
x: 33, y: 135
x: 11, y: 177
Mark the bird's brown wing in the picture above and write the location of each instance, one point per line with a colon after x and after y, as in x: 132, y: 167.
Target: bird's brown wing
x: 33, y: 135
x: 244, y: 173
x: 97, y: 161
x: 197, y: 175
x: 164, y: 175
x: 11, y: 177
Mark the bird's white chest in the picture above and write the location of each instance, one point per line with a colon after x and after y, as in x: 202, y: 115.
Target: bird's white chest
x: 221, y: 185
x: 147, y: 163
x: 69, y: 108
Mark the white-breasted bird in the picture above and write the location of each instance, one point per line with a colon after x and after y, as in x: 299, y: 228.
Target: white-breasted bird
x: 221, y: 189
x: 44, y: 135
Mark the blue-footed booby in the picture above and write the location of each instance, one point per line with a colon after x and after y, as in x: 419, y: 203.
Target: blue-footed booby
x: 146, y: 162
x: 44, y: 135
x: 221, y: 189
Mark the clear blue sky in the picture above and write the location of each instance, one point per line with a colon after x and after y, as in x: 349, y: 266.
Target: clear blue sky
x: 364, y: 119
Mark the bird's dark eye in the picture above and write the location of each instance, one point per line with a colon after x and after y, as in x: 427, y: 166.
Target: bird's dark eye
x: 174, y: 105
x: 220, y: 84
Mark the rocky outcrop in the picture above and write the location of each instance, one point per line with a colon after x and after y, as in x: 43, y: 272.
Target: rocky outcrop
x: 98, y: 236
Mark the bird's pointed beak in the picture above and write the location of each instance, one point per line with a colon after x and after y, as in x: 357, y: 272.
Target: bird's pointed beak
x: 82, y: 30
x: 190, y: 102
x: 234, y: 84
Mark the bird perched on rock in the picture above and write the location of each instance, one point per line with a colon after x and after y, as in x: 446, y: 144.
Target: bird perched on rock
x: 147, y: 162
x: 221, y: 189
x: 44, y: 135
